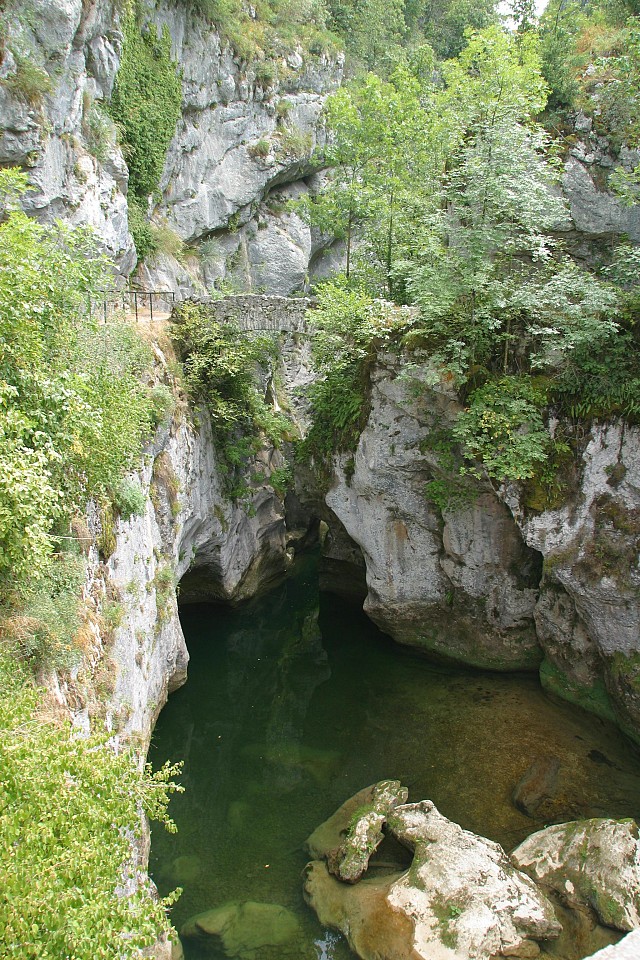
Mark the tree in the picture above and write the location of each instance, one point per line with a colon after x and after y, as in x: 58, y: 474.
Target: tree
x: 523, y: 13
x: 378, y: 149
x: 446, y: 22
x: 459, y: 217
x: 372, y: 29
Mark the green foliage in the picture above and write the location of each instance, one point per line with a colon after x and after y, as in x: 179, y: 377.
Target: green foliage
x: 165, y: 240
x: 293, y: 143
x: 445, y: 22
x: 98, y: 131
x: 106, y: 539
x: 41, y: 616
x: 281, y: 479
x: 162, y: 405
x: 129, y: 498
x: 269, y: 28
x: 603, y: 382
x: 220, y: 368
x: 73, y: 408
x: 141, y: 230
x: 447, y: 181
x: 70, y: 810
x: 145, y: 104
x: 28, y: 81
x: 261, y: 149
x: 371, y: 28
x: 377, y: 152
x: 377, y: 34
x: 165, y: 586
x: 503, y: 428
x: 348, y: 327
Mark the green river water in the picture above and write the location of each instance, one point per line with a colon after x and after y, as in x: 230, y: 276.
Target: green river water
x: 295, y: 701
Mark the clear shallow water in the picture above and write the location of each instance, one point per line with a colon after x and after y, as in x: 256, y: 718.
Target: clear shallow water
x: 295, y: 702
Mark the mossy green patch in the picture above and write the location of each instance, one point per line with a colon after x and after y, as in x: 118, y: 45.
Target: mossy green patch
x: 593, y: 697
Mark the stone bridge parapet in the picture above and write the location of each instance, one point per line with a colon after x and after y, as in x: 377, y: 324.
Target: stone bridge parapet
x: 263, y: 314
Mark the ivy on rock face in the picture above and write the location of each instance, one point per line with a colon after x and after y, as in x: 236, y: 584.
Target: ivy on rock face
x: 145, y: 103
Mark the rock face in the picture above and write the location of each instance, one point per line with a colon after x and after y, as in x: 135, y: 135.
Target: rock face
x: 595, y: 212
x: 76, y: 47
x: 240, y: 151
x: 595, y: 863
x: 487, y: 577
x: 350, y: 860
x: 190, y: 533
x: 588, y: 609
x: 459, y: 582
x: 460, y: 898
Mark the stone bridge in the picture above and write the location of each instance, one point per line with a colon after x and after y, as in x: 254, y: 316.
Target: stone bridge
x: 263, y: 314
x: 250, y: 312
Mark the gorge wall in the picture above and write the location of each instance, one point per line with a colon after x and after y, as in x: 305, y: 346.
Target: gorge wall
x: 493, y: 577
x: 489, y: 577
x: 241, y: 146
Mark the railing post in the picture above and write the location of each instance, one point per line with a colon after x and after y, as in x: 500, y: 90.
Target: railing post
x: 135, y: 300
x: 151, y: 306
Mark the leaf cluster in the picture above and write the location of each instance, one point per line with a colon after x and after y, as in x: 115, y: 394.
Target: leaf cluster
x: 221, y: 370
x: 503, y: 428
x: 71, y: 810
x: 74, y: 410
x: 348, y: 327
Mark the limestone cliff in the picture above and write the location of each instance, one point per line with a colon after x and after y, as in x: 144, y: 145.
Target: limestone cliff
x: 477, y: 575
x: 191, y: 538
x: 240, y: 150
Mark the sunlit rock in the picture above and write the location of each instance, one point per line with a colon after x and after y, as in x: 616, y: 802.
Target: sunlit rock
x: 591, y: 862
x: 460, y: 898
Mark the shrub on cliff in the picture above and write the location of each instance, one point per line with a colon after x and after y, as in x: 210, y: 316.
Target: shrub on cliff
x: 221, y: 366
x: 71, y: 810
x: 74, y: 410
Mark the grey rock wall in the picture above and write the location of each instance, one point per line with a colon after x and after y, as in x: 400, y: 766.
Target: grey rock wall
x: 77, y: 47
x: 458, y: 583
x: 596, y: 213
x: 588, y: 612
x: 239, y: 140
x: 484, y: 578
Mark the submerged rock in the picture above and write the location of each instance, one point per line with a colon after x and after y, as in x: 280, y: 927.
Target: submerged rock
x: 460, y: 898
x: 248, y: 930
x: 595, y: 863
x: 538, y: 786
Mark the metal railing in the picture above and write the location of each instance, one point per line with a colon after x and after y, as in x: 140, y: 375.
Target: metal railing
x: 142, y: 304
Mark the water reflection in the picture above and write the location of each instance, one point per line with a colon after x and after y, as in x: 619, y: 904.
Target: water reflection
x: 287, y: 713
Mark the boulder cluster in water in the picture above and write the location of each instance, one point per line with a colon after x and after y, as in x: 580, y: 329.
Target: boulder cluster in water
x: 462, y: 896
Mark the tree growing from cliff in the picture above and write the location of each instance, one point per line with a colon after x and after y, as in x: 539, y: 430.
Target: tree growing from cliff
x: 459, y: 217
x: 378, y: 149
